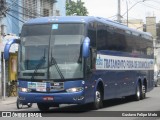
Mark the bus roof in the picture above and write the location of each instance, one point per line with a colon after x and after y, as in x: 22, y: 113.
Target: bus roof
x: 85, y: 19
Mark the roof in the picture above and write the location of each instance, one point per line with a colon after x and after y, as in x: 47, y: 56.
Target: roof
x: 83, y: 19
x: 51, y: 19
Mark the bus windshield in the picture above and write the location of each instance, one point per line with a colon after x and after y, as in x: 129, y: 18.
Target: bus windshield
x: 43, y: 44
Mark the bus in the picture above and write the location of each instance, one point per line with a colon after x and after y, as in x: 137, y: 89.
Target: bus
x: 80, y: 60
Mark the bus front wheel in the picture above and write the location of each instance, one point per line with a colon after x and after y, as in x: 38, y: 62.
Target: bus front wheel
x: 98, y: 100
x: 42, y: 107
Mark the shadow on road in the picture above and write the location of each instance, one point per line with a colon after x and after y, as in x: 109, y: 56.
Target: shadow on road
x: 85, y: 110
x: 88, y: 107
x: 118, y: 101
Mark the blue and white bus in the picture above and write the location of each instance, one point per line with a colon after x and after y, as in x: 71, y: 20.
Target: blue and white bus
x: 81, y: 59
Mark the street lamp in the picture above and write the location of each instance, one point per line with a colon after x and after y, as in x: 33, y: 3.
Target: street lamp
x: 131, y: 8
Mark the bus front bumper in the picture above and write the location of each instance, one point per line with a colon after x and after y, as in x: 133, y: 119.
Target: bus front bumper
x: 59, y: 98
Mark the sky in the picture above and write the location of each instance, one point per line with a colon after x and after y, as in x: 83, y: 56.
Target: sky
x: 139, y: 9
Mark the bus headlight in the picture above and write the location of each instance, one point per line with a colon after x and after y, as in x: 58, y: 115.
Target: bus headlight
x: 24, y: 90
x: 77, y: 89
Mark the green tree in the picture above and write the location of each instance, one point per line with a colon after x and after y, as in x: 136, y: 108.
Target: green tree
x: 76, y: 8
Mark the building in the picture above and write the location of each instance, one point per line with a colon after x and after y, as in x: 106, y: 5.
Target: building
x: 151, y: 26
x: 16, y: 12
x: 134, y: 23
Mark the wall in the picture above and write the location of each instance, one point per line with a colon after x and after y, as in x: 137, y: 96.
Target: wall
x: 135, y: 24
x: 151, y: 26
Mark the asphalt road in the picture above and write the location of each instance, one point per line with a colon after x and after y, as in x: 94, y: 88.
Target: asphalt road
x: 112, y: 108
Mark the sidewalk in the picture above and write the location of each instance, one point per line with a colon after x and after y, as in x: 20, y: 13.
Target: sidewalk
x: 8, y: 100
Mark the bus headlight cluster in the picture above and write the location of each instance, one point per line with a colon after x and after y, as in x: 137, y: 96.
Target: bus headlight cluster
x: 24, y: 89
x: 76, y: 89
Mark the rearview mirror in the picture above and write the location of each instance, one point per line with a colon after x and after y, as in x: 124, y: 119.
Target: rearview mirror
x: 7, y: 47
x: 85, y: 50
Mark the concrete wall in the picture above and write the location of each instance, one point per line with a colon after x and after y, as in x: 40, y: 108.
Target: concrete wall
x: 135, y: 24
x: 151, y: 26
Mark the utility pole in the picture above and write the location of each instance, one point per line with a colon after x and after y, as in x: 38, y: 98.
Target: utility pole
x: 119, y: 11
x: 127, y: 12
x: 2, y: 15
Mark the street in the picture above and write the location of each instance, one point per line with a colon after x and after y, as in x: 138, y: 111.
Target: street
x: 151, y: 103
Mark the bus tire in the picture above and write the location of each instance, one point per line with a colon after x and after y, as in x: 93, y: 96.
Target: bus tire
x: 98, y: 100
x: 138, y: 92
x: 43, y: 107
x: 29, y: 105
x: 19, y: 104
x: 143, y: 92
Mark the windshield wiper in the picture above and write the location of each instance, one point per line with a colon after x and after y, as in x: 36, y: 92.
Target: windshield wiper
x: 41, y: 61
x: 54, y: 62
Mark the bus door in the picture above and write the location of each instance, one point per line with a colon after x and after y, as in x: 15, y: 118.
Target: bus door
x: 90, y: 76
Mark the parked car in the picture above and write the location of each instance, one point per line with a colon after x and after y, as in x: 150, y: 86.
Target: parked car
x: 156, y: 79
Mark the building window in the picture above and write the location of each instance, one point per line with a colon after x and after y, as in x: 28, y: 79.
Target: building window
x: 29, y: 9
x: 45, y: 12
x: 47, y: 7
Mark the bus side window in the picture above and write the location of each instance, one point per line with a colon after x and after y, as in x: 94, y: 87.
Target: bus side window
x: 91, y: 60
x: 92, y: 33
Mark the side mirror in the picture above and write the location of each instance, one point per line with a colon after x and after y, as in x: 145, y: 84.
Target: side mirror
x: 7, y: 47
x: 85, y: 50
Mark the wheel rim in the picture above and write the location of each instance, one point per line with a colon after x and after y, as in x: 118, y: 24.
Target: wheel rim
x: 143, y: 89
x: 19, y: 104
x: 98, y: 96
x: 29, y: 104
x: 138, y: 92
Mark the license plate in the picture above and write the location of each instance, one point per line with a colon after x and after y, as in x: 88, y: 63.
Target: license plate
x: 47, y: 98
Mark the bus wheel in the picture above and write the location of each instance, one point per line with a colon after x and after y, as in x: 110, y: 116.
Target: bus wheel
x: 98, y: 102
x: 42, y: 107
x: 19, y: 104
x: 29, y: 105
x: 143, y: 92
x: 138, y: 92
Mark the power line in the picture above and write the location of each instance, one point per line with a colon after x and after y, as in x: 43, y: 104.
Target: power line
x: 150, y: 6
x: 147, y: 25
x: 35, y: 14
x: 29, y: 10
x: 20, y: 17
x: 15, y: 17
x: 22, y: 13
x: 8, y: 7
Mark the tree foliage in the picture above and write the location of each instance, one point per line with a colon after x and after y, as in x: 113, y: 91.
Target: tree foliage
x: 76, y: 8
